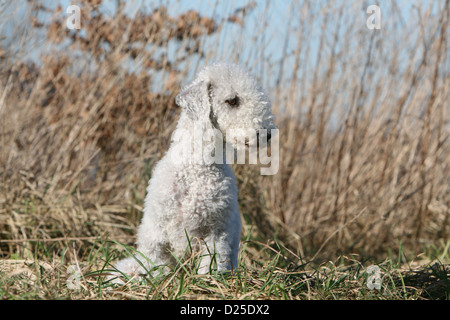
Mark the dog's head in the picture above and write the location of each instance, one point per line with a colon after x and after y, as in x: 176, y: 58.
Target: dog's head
x: 233, y: 102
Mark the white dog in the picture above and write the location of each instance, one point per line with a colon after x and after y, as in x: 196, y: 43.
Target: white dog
x: 193, y: 192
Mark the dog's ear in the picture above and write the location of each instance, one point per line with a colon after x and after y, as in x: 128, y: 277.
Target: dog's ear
x: 195, y: 100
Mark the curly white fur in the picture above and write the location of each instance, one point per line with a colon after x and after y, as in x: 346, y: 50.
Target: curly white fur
x: 193, y: 191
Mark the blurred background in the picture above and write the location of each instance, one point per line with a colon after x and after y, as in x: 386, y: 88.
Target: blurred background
x: 363, y: 114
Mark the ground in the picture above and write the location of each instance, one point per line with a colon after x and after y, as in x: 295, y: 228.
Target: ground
x: 264, y: 273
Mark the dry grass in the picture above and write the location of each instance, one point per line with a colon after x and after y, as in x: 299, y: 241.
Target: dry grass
x: 259, y: 276
x: 364, y: 138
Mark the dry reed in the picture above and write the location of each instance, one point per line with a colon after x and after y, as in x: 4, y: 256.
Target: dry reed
x: 363, y: 117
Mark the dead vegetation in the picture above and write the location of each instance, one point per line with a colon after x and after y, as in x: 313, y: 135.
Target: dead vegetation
x: 364, y: 127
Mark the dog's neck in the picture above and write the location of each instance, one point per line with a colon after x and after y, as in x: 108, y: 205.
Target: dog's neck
x: 197, y: 142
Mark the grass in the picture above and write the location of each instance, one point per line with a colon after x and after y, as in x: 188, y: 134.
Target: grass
x: 263, y: 273
x: 266, y: 271
x: 364, y: 146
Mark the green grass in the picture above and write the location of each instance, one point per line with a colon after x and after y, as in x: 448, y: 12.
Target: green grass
x: 272, y: 276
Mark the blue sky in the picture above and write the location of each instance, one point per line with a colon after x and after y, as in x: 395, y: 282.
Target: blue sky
x: 277, y: 18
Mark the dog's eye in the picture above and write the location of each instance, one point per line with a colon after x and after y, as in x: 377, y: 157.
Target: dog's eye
x: 233, y: 102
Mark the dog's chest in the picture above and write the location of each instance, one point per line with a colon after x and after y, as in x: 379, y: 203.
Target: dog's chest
x: 204, y: 195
